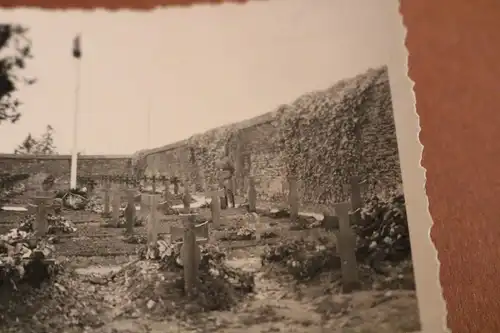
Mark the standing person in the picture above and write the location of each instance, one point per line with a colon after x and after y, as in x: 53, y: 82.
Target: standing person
x: 226, y: 169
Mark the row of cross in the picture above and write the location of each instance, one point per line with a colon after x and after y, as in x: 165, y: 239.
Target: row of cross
x: 192, y: 234
x: 127, y: 179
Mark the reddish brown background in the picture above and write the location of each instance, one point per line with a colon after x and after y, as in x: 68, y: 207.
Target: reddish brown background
x: 454, y: 61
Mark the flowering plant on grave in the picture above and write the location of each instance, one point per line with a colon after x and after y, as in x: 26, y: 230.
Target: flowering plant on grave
x: 94, y: 205
x: 57, y: 224
x: 383, y: 233
x: 303, y: 259
x: 21, y: 258
x: 169, y: 254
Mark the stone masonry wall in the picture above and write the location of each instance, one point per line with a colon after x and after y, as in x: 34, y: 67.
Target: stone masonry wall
x: 60, y: 166
x: 312, y: 138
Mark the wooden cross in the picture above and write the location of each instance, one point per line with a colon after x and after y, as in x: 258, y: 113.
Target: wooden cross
x: 41, y: 204
x: 200, y: 179
x: 252, y: 196
x: 107, y: 188
x: 232, y: 185
x: 151, y: 203
x: 238, y: 164
x: 166, y: 204
x: 356, y: 187
x: 127, y: 181
x: 130, y: 211
x: 166, y: 195
x: 293, y: 199
x: 142, y: 205
x: 255, y: 218
x: 201, y: 231
x: 191, y: 235
x: 346, y: 241
x: 162, y: 181
x: 186, y: 199
x: 215, y: 195
x: 175, y: 181
x: 153, y: 184
x: 166, y: 188
x: 116, y: 201
x: 90, y: 185
x: 190, y: 255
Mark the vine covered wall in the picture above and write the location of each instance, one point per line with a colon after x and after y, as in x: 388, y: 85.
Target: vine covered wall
x: 322, y: 138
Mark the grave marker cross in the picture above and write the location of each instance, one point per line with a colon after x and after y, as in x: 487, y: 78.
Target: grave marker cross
x: 356, y: 187
x: 42, y: 202
x: 130, y: 211
x: 116, y: 205
x: 190, y: 256
x: 215, y: 195
x: 150, y: 202
x: 153, y: 184
x: 252, y: 196
x: 192, y: 235
x: 175, y: 181
x: 107, y: 189
x: 293, y: 198
x: 346, y: 241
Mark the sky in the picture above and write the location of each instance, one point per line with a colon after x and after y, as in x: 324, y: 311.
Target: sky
x: 193, y: 68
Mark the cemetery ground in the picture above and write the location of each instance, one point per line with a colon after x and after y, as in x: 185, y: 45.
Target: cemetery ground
x: 290, y: 280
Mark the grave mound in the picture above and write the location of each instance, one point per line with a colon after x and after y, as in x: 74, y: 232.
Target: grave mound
x: 220, y: 285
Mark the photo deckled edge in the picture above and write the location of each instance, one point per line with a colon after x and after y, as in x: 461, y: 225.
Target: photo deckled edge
x: 432, y: 306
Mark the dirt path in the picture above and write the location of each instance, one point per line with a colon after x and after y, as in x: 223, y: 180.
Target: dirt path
x: 269, y: 310
x: 274, y: 307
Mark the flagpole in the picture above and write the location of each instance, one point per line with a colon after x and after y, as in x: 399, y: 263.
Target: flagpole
x: 149, y: 123
x: 74, y: 153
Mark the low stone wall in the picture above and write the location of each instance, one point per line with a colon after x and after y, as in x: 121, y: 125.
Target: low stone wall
x: 60, y: 166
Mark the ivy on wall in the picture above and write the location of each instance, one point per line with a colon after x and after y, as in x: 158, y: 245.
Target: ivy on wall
x: 322, y: 138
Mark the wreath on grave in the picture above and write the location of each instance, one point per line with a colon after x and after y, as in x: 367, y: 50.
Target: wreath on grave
x: 75, y: 199
x: 382, y: 238
x: 220, y: 285
x: 383, y: 233
x: 24, y: 259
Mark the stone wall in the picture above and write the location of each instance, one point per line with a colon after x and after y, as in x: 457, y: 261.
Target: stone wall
x: 60, y: 166
x: 313, y: 139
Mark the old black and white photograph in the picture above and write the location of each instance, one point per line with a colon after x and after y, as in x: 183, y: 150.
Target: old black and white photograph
x: 232, y: 168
